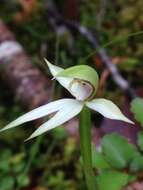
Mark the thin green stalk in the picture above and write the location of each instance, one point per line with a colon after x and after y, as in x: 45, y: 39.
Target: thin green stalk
x: 85, y: 143
x: 112, y: 42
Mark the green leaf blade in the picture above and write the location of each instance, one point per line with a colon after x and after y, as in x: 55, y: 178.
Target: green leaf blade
x: 140, y: 140
x: 117, y: 150
x: 137, y: 109
x: 111, y: 180
x: 137, y: 163
x: 98, y: 160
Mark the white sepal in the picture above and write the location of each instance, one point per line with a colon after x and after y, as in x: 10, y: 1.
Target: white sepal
x: 108, y: 109
x: 39, y: 112
x: 69, y: 110
x: 53, y: 68
x: 64, y: 81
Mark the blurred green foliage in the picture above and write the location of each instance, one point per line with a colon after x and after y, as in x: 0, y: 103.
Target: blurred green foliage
x: 116, y: 153
x: 137, y: 109
x: 111, y: 180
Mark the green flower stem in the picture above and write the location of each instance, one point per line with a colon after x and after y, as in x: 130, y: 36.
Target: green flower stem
x: 85, y: 143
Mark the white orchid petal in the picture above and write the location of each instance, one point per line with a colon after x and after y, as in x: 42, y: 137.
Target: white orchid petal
x: 39, y: 112
x: 70, y: 110
x: 108, y: 109
x: 64, y: 81
x: 53, y: 68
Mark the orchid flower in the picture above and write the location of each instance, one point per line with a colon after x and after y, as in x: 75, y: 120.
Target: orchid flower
x: 82, y: 82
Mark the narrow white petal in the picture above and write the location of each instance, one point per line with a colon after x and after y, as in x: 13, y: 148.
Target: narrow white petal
x: 70, y: 110
x: 65, y: 82
x: 107, y: 109
x: 38, y: 113
x: 53, y: 68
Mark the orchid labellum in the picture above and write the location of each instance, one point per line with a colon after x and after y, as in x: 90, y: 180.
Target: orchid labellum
x: 82, y: 82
